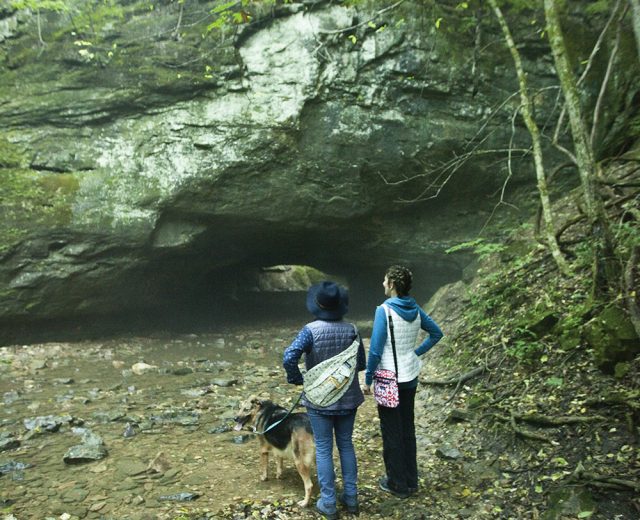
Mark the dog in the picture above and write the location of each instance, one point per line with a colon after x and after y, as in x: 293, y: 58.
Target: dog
x: 292, y: 438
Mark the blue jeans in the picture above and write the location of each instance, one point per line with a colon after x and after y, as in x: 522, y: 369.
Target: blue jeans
x: 323, y: 429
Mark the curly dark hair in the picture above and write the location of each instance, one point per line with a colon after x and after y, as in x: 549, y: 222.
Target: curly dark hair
x: 401, y: 279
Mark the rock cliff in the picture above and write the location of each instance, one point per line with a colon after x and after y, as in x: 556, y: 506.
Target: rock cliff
x: 149, y: 163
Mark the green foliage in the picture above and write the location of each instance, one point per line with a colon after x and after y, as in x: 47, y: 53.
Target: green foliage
x: 621, y: 370
x: 554, y: 381
x: 224, y: 7
x: 463, y: 21
x: 598, y: 7
x: 575, y: 316
x: 478, y: 246
x: 477, y: 401
x: 526, y: 348
x: 95, y: 14
x: 627, y: 235
x: 237, y: 12
x: 10, y: 155
x: 40, y: 5
x: 521, y: 5
x: 584, y: 255
x: 353, y: 3
x: 464, y: 245
x: 86, y: 19
x: 634, y: 126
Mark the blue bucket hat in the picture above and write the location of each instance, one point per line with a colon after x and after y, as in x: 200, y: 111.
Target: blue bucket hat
x: 327, y: 300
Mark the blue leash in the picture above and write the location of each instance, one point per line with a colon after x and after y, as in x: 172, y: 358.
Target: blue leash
x: 280, y: 420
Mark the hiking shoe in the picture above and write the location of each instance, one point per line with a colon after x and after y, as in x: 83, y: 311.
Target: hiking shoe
x: 328, y: 513
x: 383, y: 483
x: 351, y: 506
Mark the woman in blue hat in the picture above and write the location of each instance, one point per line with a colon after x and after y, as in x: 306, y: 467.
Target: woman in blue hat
x: 319, y: 340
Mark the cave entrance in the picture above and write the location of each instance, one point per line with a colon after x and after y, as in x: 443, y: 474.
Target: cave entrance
x: 292, y: 278
x: 278, y: 292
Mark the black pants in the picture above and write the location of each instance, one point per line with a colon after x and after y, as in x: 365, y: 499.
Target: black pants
x: 399, y: 442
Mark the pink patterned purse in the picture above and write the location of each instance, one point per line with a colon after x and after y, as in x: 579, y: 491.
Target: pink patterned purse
x: 385, y: 382
x: 385, y: 388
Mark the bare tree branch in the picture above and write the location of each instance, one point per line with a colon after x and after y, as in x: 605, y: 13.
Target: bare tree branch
x: 550, y: 421
x: 509, y: 174
x: 534, y: 131
x: 176, y: 31
x: 590, y: 61
x: 635, y: 6
x: 581, y: 475
x: 552, y: 175
x: 456, y: 380
x: 605, y: 81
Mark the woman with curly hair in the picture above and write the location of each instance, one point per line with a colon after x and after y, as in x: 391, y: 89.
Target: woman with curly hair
x: 400, y: 318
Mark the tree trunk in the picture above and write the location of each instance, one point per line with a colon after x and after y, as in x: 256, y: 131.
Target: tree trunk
x: 40, y: 40
x: 635, y: 11
x: 176, y: 31
x: 527, y: 115
x: 605, y: 271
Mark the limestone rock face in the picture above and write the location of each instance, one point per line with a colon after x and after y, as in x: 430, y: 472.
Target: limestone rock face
x: 147, y: 162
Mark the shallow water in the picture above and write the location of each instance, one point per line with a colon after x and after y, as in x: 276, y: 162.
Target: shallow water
x: 174, y: 409
x: 181, y: 414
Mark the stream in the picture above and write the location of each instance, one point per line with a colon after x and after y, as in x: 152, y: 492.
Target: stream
x: 160, y: 411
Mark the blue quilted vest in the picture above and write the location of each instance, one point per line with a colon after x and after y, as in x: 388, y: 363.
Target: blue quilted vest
x: 331, y: 338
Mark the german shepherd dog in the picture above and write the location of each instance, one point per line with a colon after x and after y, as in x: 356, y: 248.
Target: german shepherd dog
x: 292, y: 438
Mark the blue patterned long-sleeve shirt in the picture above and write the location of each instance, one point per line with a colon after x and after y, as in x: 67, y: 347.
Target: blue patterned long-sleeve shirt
x: 302, y: 344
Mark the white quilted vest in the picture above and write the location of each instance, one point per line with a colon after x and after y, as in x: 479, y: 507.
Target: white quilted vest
x: 405, y: 333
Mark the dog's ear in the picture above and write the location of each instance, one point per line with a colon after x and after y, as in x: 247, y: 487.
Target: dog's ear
x: 259, y: 402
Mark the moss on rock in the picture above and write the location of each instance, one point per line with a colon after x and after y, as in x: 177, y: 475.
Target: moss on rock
x: 305, y: 276
x: 11, y: 156
x: 569, y: 502
x: 31, y: 201
x: 612, y: 337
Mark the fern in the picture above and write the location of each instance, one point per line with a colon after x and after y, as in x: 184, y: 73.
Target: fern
x: 478, y: 246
